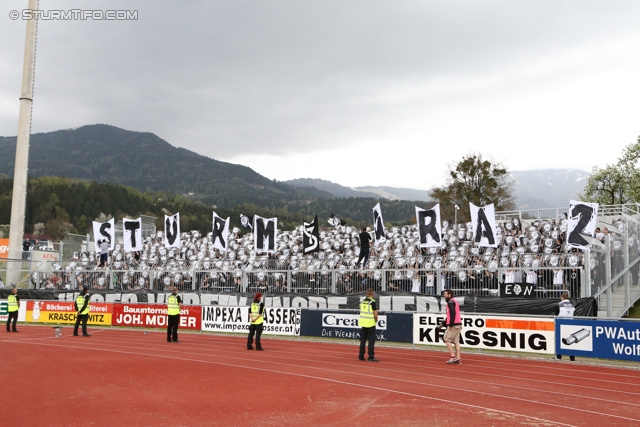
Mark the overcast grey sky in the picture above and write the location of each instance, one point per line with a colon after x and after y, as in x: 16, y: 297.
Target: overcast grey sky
x: 356, y: 92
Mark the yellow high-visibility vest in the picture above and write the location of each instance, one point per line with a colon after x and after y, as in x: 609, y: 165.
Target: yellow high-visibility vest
x: 13, y: 303
x: 80, y: 303
x: 173, y: 307
x: 255, y: 310
x: 367, y: 319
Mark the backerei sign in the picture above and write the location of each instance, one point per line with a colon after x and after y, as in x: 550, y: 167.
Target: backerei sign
x: 65, y: 312
x: 525, y: 334
x: 277, y: 321
x: 607, y: 339
x: 395, y: 327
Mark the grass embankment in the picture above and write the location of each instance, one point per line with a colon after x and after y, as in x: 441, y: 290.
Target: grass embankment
x: 634, y: 312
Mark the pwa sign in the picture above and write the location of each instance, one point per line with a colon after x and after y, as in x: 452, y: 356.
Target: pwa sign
x: 606, y: 339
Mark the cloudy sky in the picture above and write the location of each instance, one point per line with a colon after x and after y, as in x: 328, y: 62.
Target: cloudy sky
x: 356, y: 92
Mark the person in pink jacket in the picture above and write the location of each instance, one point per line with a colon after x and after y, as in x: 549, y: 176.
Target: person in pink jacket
x: 453, y: 323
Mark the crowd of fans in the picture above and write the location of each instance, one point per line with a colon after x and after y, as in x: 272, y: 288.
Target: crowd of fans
x: 534, y: 254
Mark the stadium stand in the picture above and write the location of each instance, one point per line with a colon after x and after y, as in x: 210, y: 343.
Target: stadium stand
x: 532, y: 253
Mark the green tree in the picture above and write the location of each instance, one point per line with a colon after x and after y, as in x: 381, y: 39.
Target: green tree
x: 82, y: 225
x: 618, y: 183
x: 606, y: 186
x: 474, y: 180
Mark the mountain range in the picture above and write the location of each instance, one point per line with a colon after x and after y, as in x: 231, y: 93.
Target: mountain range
x: 107, y: 154
x: 534, y: 189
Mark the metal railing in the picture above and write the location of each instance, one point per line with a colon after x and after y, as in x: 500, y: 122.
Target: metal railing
x: 547, y: 283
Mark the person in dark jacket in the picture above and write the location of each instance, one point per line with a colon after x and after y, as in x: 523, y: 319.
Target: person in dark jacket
x: 365, y: 247
x: 565, y: 309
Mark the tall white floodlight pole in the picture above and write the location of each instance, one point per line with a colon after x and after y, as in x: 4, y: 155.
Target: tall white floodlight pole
x: 455, y: 221
x: 18, y: 203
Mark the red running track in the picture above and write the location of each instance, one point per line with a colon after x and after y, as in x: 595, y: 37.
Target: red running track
x: 122, y: 377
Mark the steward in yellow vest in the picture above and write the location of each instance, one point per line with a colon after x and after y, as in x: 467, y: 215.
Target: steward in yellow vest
x: 174, y: 304
x: 256, y: 317
x: 368, y: 320
x: 82, y: 312
x: 14, y: 306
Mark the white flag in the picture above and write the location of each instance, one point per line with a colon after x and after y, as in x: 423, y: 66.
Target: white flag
x: 104, y: 230
x: 378, y: 225
x: 429, y: 226
x: 582, y: 220
x: 220, y: 233
x: 265, y: 233
x: 132, y: 234
x: 172, y: 231
x: 483, y: 220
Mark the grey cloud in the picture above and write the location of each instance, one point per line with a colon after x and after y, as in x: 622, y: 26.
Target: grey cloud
x: 226, y: 77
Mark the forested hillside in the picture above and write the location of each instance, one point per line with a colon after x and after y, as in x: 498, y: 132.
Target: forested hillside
x: 63, y: 205
x: 107, y: 154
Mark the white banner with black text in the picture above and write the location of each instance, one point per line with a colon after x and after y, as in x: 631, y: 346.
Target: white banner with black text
x: 310, y: 237
x: 429, y: 226
x: 378, y: 225
x: 172, y: 231
x: 104, y: 230
x: 265, y: 234
x: 583, y: 217
x: 483, y: 220
x: 220, y: 233
x: 132, y: 234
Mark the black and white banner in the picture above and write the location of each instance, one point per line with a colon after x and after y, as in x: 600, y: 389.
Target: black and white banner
x: 517, y: 290
x: 310, y: 237
x: 582, y: 220
x: 246, y: 222
x: 378, y: 225
x: 335, y: 221
x: 265, y: 233
x: 220, y: 234
x: 483, y: 220
x: 172, y: 231
x: 104, y: 230
x: 429, y: 226
x: 132, y: 234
